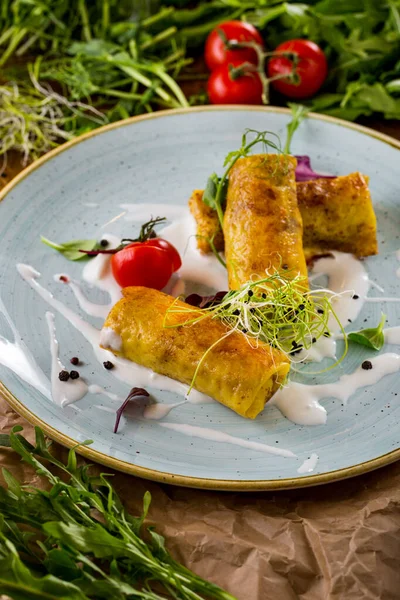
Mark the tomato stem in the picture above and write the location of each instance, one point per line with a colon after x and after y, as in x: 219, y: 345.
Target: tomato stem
x: 247, y: 68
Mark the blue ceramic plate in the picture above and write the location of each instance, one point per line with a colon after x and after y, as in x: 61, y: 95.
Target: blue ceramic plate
x: 73, y: 191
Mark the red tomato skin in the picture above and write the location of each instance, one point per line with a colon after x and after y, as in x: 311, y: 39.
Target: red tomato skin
x: 246, y: 89
x: 312, y: 69
x: 142, y: 265
x: 215, y: 52
x: 160, y: 243
x: 172, y: 251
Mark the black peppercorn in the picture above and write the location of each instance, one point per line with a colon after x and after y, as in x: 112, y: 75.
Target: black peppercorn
x: 63, y: 376
x: 108, y: 365
x: 367, y: 365
x: 104, y: 243
x: 74, y: 360
x: 356, y: 297
x: 74, y: 374
x: 250, y: 293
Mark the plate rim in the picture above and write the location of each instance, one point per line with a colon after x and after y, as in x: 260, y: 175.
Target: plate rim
x: 163, y: 476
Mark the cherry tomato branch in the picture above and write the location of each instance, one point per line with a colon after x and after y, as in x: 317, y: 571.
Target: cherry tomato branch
x: 242, y: 70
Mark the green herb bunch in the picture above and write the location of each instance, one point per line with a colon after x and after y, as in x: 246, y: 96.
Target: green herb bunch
x: 129, y: 57
x: 76, y: 541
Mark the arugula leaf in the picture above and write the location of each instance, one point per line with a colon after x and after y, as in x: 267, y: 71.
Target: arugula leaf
x: 372, y: 338
x: 18, y: 582
x: 71, y: 249
x: 81, y: 542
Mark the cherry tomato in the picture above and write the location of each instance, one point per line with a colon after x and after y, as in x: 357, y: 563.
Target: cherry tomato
x: 312, y: 69
x: 172, y: 251
x: 223, y: 89
x: 216, y: 53
x: 142, y: 264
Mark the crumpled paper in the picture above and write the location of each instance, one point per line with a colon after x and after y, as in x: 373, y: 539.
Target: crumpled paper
x: 338, y: 541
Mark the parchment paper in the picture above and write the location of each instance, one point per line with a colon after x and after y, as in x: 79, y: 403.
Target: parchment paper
x: 338, y: 541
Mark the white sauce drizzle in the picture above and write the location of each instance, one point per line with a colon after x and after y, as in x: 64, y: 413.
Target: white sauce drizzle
x: 347, y: 277
x: 90, y: 308
x: 124, y: 369
x: 97, y: 272
x: 110, y: 339
x: 97, y: 389
x: 300, y: 403
x: 62, y: 392
x: 392, y: 335
x: 17, y: 357
x: 196, y: 267
x: 159, y: 411
x: 309, y: 464
x: 222, y: 437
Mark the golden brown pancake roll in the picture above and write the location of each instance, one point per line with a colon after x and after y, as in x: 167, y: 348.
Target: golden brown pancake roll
x: 337, y: 215
x: 238, y: 375
x: 263, y: 228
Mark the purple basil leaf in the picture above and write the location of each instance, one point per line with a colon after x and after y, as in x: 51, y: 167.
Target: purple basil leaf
x: 205, y: 301
x: 304, y: 170
x: 134, y: 393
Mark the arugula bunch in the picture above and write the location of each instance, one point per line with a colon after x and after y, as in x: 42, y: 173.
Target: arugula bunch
x: 76, y: 541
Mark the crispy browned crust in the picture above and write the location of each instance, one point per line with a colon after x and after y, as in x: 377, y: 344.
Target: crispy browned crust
x: 337, y: 215
x: 240, y: 375
x: 262, y: 223
x: 208, y: 227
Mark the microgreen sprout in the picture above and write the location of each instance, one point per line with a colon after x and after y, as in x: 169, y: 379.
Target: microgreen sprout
x: 275, y: 310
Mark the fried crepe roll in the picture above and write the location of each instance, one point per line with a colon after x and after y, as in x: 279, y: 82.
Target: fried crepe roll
x: 208, y: 227
x: 238, y: 375
x: 337, y: 215
x: 263, y: 228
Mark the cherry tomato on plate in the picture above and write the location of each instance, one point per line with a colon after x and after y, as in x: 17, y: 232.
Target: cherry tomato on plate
x: 222, y: 88
x: 172, y: 251
x: 312, y: 69
x: 149, y: 264
x: 216, y: 53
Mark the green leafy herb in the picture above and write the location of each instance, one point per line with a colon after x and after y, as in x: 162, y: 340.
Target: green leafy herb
x: 81, y: 543
x: 71, y: 250
x: 215, y: 191
x: 299, y: 113
x: 372, y: 338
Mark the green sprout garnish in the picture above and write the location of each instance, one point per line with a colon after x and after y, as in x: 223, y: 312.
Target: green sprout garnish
x: 299, y: 113
x: 276, y: 310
